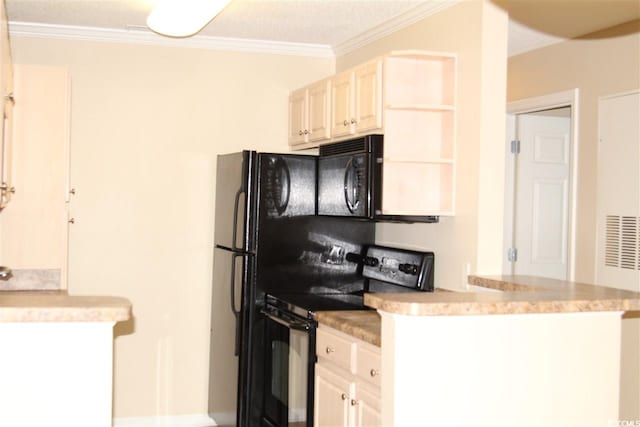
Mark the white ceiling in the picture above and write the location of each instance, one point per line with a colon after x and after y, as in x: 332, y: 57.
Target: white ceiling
x: 325, y: 27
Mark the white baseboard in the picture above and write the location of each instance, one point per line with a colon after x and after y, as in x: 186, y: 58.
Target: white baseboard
x: 194, y: 420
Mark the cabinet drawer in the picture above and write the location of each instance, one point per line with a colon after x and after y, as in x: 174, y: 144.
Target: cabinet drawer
x: 368, y: 364
x: 336, y: 349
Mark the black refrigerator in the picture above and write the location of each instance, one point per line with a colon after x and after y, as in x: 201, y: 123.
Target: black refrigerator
x: 268, y: 239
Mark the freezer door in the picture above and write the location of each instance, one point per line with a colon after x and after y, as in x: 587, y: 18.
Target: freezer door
x: 287, y: 185
x: 233, y: 193
x: 226, y: 345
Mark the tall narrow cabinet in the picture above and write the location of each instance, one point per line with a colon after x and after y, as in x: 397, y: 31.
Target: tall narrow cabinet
x: 35, y: 224
x: 6, y: 111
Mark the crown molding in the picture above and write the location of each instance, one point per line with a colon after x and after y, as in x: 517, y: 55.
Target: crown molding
x: 395, y: 24
x: 139, y: 35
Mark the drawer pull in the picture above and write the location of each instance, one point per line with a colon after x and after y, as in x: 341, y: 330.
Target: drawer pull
x: 354, y: 402
x: 329, y: 350
x: 374, y: 373
x: 344, y: 396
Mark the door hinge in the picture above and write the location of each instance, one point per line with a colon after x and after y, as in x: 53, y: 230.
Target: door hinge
x: 515, y: 146
x: 512, y: 254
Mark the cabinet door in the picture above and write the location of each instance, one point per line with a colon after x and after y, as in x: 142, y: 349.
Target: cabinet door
x: 6, y: 111
x: 331, y: 404
x: 368, y: 100
x: 6, y: 187
x: 319, y: 110
x: 298, y: 130
x: 35, y: 225
x: 367, y: 407
x: 342, y: 104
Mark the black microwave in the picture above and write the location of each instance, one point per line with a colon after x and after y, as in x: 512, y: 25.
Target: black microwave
x: 350, y: 177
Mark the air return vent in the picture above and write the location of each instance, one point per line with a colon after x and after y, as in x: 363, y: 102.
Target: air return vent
x: 622, y: 246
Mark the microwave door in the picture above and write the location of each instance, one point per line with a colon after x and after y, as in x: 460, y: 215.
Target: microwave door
x: 343, y: 186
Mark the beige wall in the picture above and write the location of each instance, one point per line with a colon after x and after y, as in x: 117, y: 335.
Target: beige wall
x: 147, y: 123
x: 471, y: 241
x: 599, y: 64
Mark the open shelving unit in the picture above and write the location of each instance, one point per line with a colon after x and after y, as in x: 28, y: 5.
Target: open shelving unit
x: 419, y: 92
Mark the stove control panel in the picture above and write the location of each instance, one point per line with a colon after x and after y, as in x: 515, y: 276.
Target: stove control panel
x: 400, y: 267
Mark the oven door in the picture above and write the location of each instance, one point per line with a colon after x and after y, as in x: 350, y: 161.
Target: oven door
x: 343, y: 185
x: 289, y: 363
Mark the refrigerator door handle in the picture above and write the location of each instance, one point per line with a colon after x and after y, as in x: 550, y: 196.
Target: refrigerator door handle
x: 236, y: 313
x: 236, y: 204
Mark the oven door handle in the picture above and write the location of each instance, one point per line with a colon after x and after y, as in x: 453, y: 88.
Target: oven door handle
x: 297, y: 325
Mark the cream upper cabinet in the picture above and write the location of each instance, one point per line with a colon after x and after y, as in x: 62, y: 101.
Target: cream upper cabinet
x: 298, y: 128
x: 356, y: 100
x: 347, y: 381
x: 6, y: 111
x: 309, y: 113
x: 368, y: 97
x: 342, y: 116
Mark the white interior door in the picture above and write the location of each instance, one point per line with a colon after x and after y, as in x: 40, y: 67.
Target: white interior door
x: 541, y: 220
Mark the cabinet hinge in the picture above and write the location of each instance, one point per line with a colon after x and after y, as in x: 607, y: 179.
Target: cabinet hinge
x: 512, y: 254
x: 515, y: 146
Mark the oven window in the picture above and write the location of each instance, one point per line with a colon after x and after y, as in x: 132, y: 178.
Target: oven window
x: 287, y: 368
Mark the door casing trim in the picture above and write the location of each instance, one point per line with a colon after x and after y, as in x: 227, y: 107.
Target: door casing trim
x: 569, y: 98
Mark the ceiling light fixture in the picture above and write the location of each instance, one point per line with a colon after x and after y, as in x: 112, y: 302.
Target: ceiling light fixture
x: 183, y: 18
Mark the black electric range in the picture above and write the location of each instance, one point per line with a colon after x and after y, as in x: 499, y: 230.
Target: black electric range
x: 291, y: 327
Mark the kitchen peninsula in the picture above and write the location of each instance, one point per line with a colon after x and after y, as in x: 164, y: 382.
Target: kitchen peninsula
x: 56, y: 358
x: 526, y: 351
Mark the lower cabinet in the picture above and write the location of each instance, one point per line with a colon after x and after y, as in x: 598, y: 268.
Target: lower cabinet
x: 347, y: 381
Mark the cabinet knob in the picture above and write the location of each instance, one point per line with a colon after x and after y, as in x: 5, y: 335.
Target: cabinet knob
x: 329, y: 350
x: 354, y: 402
x: 354, y: 121
x: 9, y: 97
x: 346, y: 123
x: 72, y: 220
x: 306, y: 132
x: 344, y: 396
x: 373, y: 372
x: 72, y: 191
x: 300, y: 133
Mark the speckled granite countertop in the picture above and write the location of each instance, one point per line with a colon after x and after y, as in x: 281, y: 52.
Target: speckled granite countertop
x: 58, y: 306
x: 361, y: 324
x: 521, y: 294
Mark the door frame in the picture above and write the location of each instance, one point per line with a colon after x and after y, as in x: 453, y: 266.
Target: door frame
x: 569, y: 98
